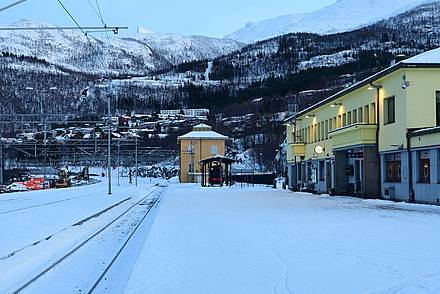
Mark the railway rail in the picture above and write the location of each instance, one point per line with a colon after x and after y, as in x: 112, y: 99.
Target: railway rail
x: 147, y: 203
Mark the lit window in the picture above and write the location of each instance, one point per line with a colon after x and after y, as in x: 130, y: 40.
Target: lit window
x: 424, y: 167
x: 393, y: 168
x: 373, y: 119
x: 367, y: 114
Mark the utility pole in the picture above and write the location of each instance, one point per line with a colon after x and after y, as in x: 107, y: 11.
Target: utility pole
x: 43, y: 119
x: 109, y: 163
x: 136, y: 157
x: 1, y: 162
x: 119, y: 162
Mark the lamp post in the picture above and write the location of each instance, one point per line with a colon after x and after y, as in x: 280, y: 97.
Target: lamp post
x: 136, y: 156
x: 109, y: 138
x: 1, y: 161
x: 43, y: 122
x: 109, y: 141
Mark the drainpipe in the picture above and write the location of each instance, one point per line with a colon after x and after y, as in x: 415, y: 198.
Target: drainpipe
x: 412, y: 194
x: 379, y: 170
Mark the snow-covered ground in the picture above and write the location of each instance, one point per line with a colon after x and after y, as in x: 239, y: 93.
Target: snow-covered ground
x: 259, y: 240
x: 37, y: 228
x: 215, y: 240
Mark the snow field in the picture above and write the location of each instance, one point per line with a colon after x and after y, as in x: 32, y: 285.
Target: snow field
x: 259, y: 240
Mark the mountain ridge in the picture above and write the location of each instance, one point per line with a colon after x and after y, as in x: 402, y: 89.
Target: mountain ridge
x: 343, y: 15
x: 131, y: 54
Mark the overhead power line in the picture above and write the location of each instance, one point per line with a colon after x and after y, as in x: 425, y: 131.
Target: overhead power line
x: 12, y: 5
x: 114, y: 29
x: 71, y: 16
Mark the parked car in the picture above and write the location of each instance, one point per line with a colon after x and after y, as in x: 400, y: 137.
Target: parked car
x: 16, y: 187
x: 3, y: 189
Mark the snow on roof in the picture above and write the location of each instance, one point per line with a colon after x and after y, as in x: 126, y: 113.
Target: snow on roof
x: 203, y: 135
x: 429, y: 57
x: 202, y: 127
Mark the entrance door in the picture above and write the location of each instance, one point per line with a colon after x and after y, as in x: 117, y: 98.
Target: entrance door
x: 358, y: 175
x: 328, y: 176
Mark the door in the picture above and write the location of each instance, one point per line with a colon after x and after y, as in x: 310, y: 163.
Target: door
x: 328, y: 176
x: 358, y: 175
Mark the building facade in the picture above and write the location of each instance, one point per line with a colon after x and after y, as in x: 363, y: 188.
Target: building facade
x: 379, y: 138
x: 200, y: 144
x: 187, y: 112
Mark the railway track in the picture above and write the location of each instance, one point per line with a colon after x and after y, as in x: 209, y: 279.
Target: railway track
x: 141, y: 207
x: 42, y: 204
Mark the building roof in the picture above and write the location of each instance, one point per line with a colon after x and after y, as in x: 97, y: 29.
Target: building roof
x: 217, y: 158
x: 203, y: 131
x: 202, y: 127
x: 203, y: 135
x: 428, y: 59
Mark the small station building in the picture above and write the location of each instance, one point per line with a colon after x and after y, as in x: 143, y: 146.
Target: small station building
x: 199, y: 145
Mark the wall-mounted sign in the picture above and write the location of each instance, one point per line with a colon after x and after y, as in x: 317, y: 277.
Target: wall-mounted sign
x: 319, y: 149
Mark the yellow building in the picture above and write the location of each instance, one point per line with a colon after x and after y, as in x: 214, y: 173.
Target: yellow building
x: 379, y: 138
x: 200, y: 144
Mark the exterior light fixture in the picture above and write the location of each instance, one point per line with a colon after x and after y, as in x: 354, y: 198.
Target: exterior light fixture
x: 310, y: 116
x: 374, y: 87
x: 335, y: 105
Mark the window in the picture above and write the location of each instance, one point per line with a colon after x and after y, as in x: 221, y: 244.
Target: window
x: 367, y: 114
x: 339, y: 124
x: 389, y: 110
x: 355, y: 116
x: 424, y: 167
x: 191, y: 148
x: 191, y: 168
x: 326, y: 129
x: 348, y: 118
x: 214, y: 149
x: 360, y: 116
x: 438, y: 166
x: 437, y: 103
x: 315, y: 133
x: 344, y: 120
x: 373, y: 113
x: 319, y: 132
x: 322, y: 171
x: 394, y: 168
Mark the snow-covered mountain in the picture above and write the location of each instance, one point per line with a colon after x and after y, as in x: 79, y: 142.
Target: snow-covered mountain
x: 343, y: 15
x: 135, y: 54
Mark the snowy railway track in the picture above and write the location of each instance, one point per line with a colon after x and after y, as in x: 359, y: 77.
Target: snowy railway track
x: 147, y: 203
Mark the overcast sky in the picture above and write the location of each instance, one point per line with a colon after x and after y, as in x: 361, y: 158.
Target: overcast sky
x: 188, y: 17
